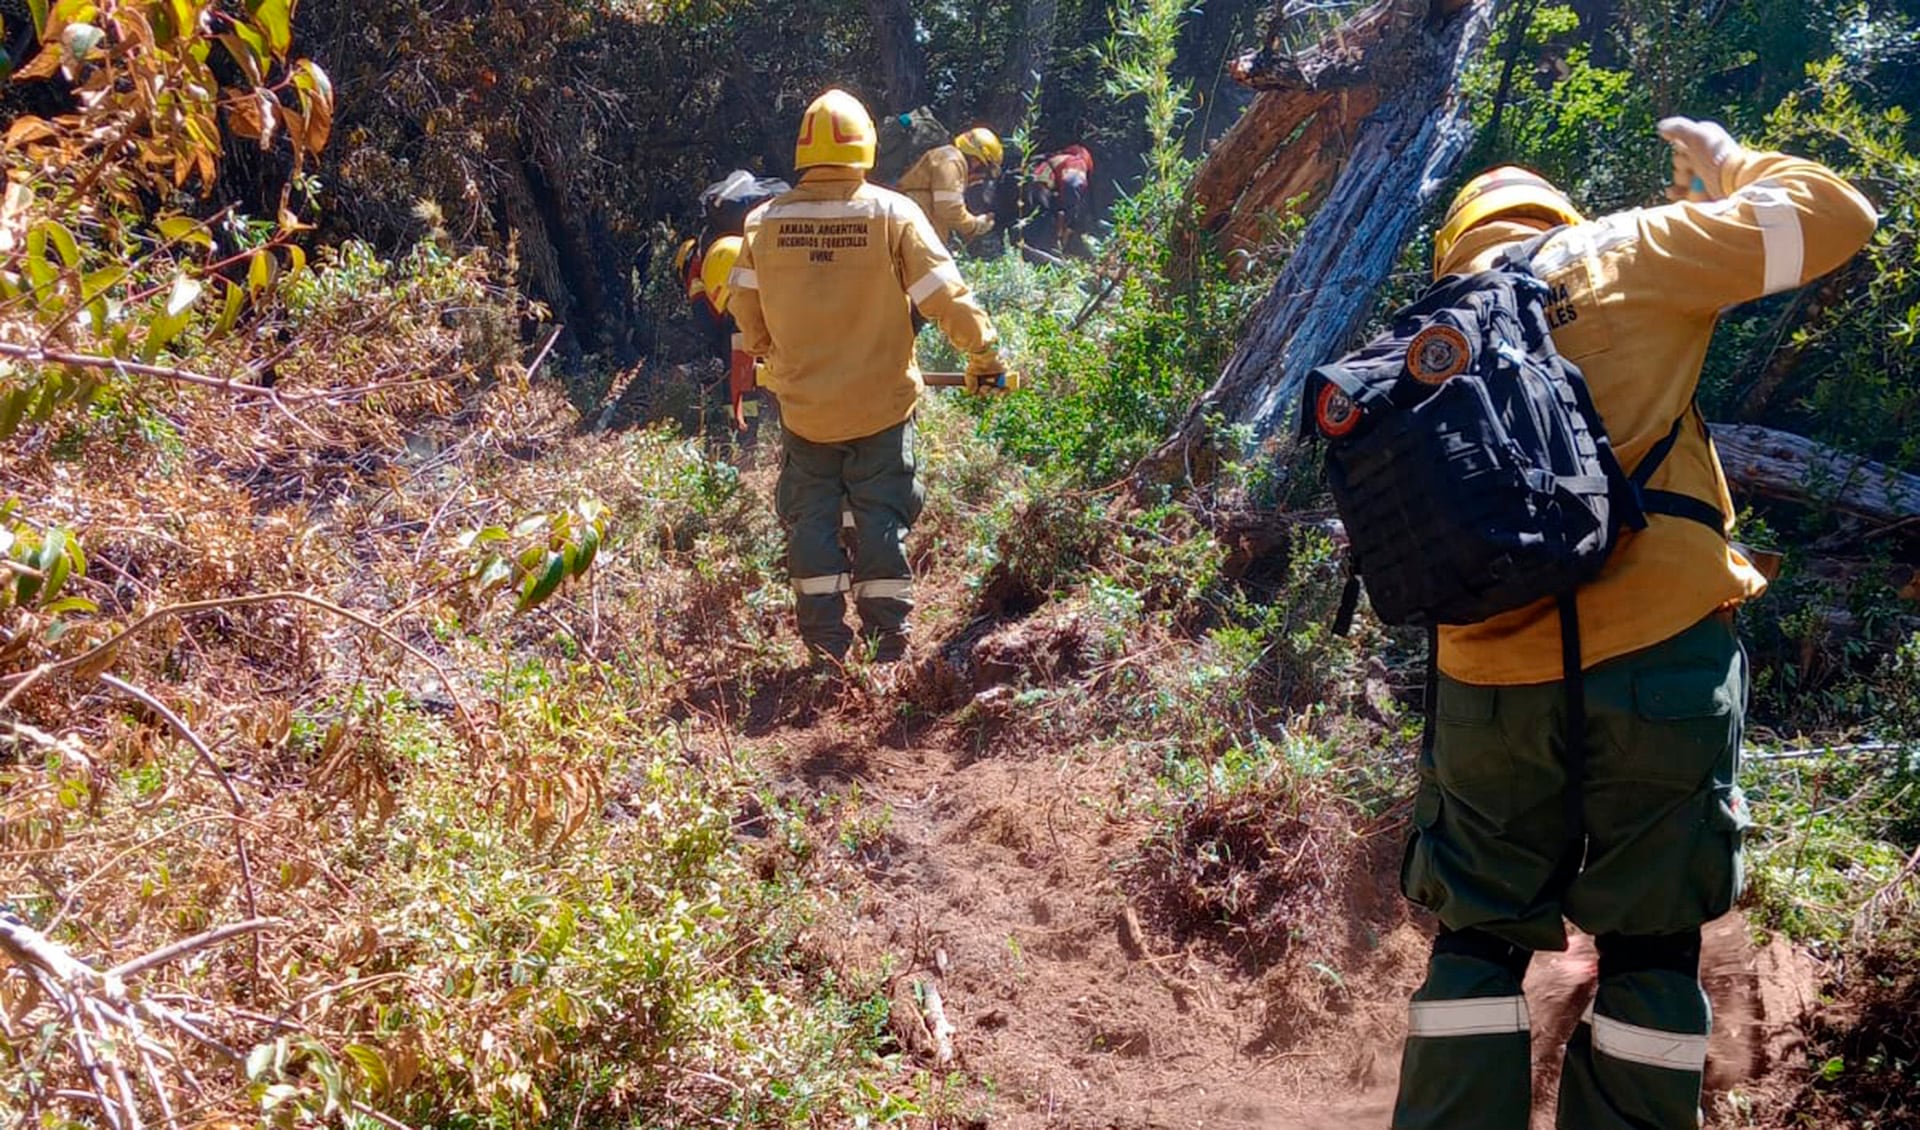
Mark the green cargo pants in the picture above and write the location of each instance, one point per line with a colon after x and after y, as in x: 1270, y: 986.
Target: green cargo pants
x: 873, y: 479
x: 1492, y: 855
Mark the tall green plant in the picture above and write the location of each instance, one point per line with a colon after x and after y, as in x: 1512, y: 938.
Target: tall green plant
x: 1138, y: 58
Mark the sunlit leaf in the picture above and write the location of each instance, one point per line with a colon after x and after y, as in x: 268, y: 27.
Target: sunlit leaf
x: 275, y: 18
x: 183, y: 295
x: 40, y: 271
x: 42, y: 65
x: 186, y: 15
x: 249, y: 50
x: 308, y: 76
x: 11, y: 411
x: 71, y: 604
x: 97, y: 283
x: 161, y: 332
x: 497, y: 572
x: 63, y: 241
x: 28, y: 129
x: 316, y: 100
x: 296, y: 261
x: 38, y: 9
x: 184, y: 229
x: 260, y: 272
x: 245, y: 119
x: 588, y: 550
x: 370, y: 1064
x: 539, y: 586
x: 54, y: 563
x: 529, y: 524
x: 230, y: 313
x: 80, y: 39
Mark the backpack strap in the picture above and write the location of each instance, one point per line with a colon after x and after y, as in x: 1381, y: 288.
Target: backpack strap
x: 1669, y: 502
x: 1574, y: 737
x: 1520, y: 256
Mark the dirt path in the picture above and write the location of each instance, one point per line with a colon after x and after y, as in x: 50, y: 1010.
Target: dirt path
x: 998, y: 873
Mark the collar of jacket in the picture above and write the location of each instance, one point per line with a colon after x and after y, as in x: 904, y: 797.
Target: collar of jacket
x: 822, y: 175
x: 1478, y: 248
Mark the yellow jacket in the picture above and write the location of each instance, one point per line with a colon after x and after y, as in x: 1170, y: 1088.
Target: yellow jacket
x: 938, y: 183
x: 1635, y: 298
x: 824, y: 290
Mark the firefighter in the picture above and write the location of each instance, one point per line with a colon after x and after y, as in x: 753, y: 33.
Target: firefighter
x: 823, y: 291
x: 716, y: 271
x: 938, y: 182
x: 1657, y: 854
x: 1060, y: 191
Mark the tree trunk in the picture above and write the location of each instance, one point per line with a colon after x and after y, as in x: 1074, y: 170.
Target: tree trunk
x: 902, y: 69
x: 1789, y: 468
x: 1402, y: 152
x: 1025, y: 67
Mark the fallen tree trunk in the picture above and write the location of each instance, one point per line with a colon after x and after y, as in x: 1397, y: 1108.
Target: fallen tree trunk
x: 1790, y: 468
x: 1403, y: 152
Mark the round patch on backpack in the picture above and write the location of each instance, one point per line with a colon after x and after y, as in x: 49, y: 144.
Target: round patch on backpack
x: 1437, y: 354
x: 1335, y: 412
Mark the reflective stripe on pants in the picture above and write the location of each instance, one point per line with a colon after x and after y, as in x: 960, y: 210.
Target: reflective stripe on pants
x: 884, y: 590
x: 870, y: 483
x: 1637, y: 1059
x: 822, y: 586
x: 1468, y: 1062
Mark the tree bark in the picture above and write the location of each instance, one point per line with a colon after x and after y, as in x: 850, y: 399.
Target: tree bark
x: 1789, y: 468
x: 902, y: 69
x: 1403, y: 151
x: 1025, y: 67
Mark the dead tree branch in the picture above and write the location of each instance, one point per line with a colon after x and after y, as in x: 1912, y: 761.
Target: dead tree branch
x: 101, y: 654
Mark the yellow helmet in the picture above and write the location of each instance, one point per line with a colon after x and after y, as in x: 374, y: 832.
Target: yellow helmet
x: 981, y: 144
x: 1506, y: 192
x: 682, y: 255
x: 717, y: 268
x: 836, y: 130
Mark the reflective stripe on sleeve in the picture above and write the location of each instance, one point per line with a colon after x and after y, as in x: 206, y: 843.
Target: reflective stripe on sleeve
x: 883, y: 590
x: 1676, y: 1051
x: 822, y: 586
x: 948, y: 196
x: 739, y: 343
x: 1479, y: 1016
x: 846, y: 519
x: 931, y: 283
x: 742, y: 279
x: 1784, y: 243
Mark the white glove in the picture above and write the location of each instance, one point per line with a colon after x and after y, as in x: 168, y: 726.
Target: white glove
x: 1699, y: 151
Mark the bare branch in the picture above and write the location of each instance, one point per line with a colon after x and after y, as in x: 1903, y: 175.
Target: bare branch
x: 22, y: 679
x: 198, y: 942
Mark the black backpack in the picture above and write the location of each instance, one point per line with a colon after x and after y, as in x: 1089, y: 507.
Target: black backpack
x: 1470, y: 469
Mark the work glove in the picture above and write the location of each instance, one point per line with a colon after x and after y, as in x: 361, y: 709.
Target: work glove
x: 743, y: 376
x: 987, y: 373
x: 1700, y: 149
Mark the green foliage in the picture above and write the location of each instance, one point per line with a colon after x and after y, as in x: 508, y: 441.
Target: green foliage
x: 39, y: 563
x: 1829, y: 825
x: 1111, y: 368
x: 1855, y: 346
x: 1139, y: 60
x: 536, y: 555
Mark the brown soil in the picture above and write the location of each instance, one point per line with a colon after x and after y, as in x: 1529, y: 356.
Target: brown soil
x: 1007, y: 875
